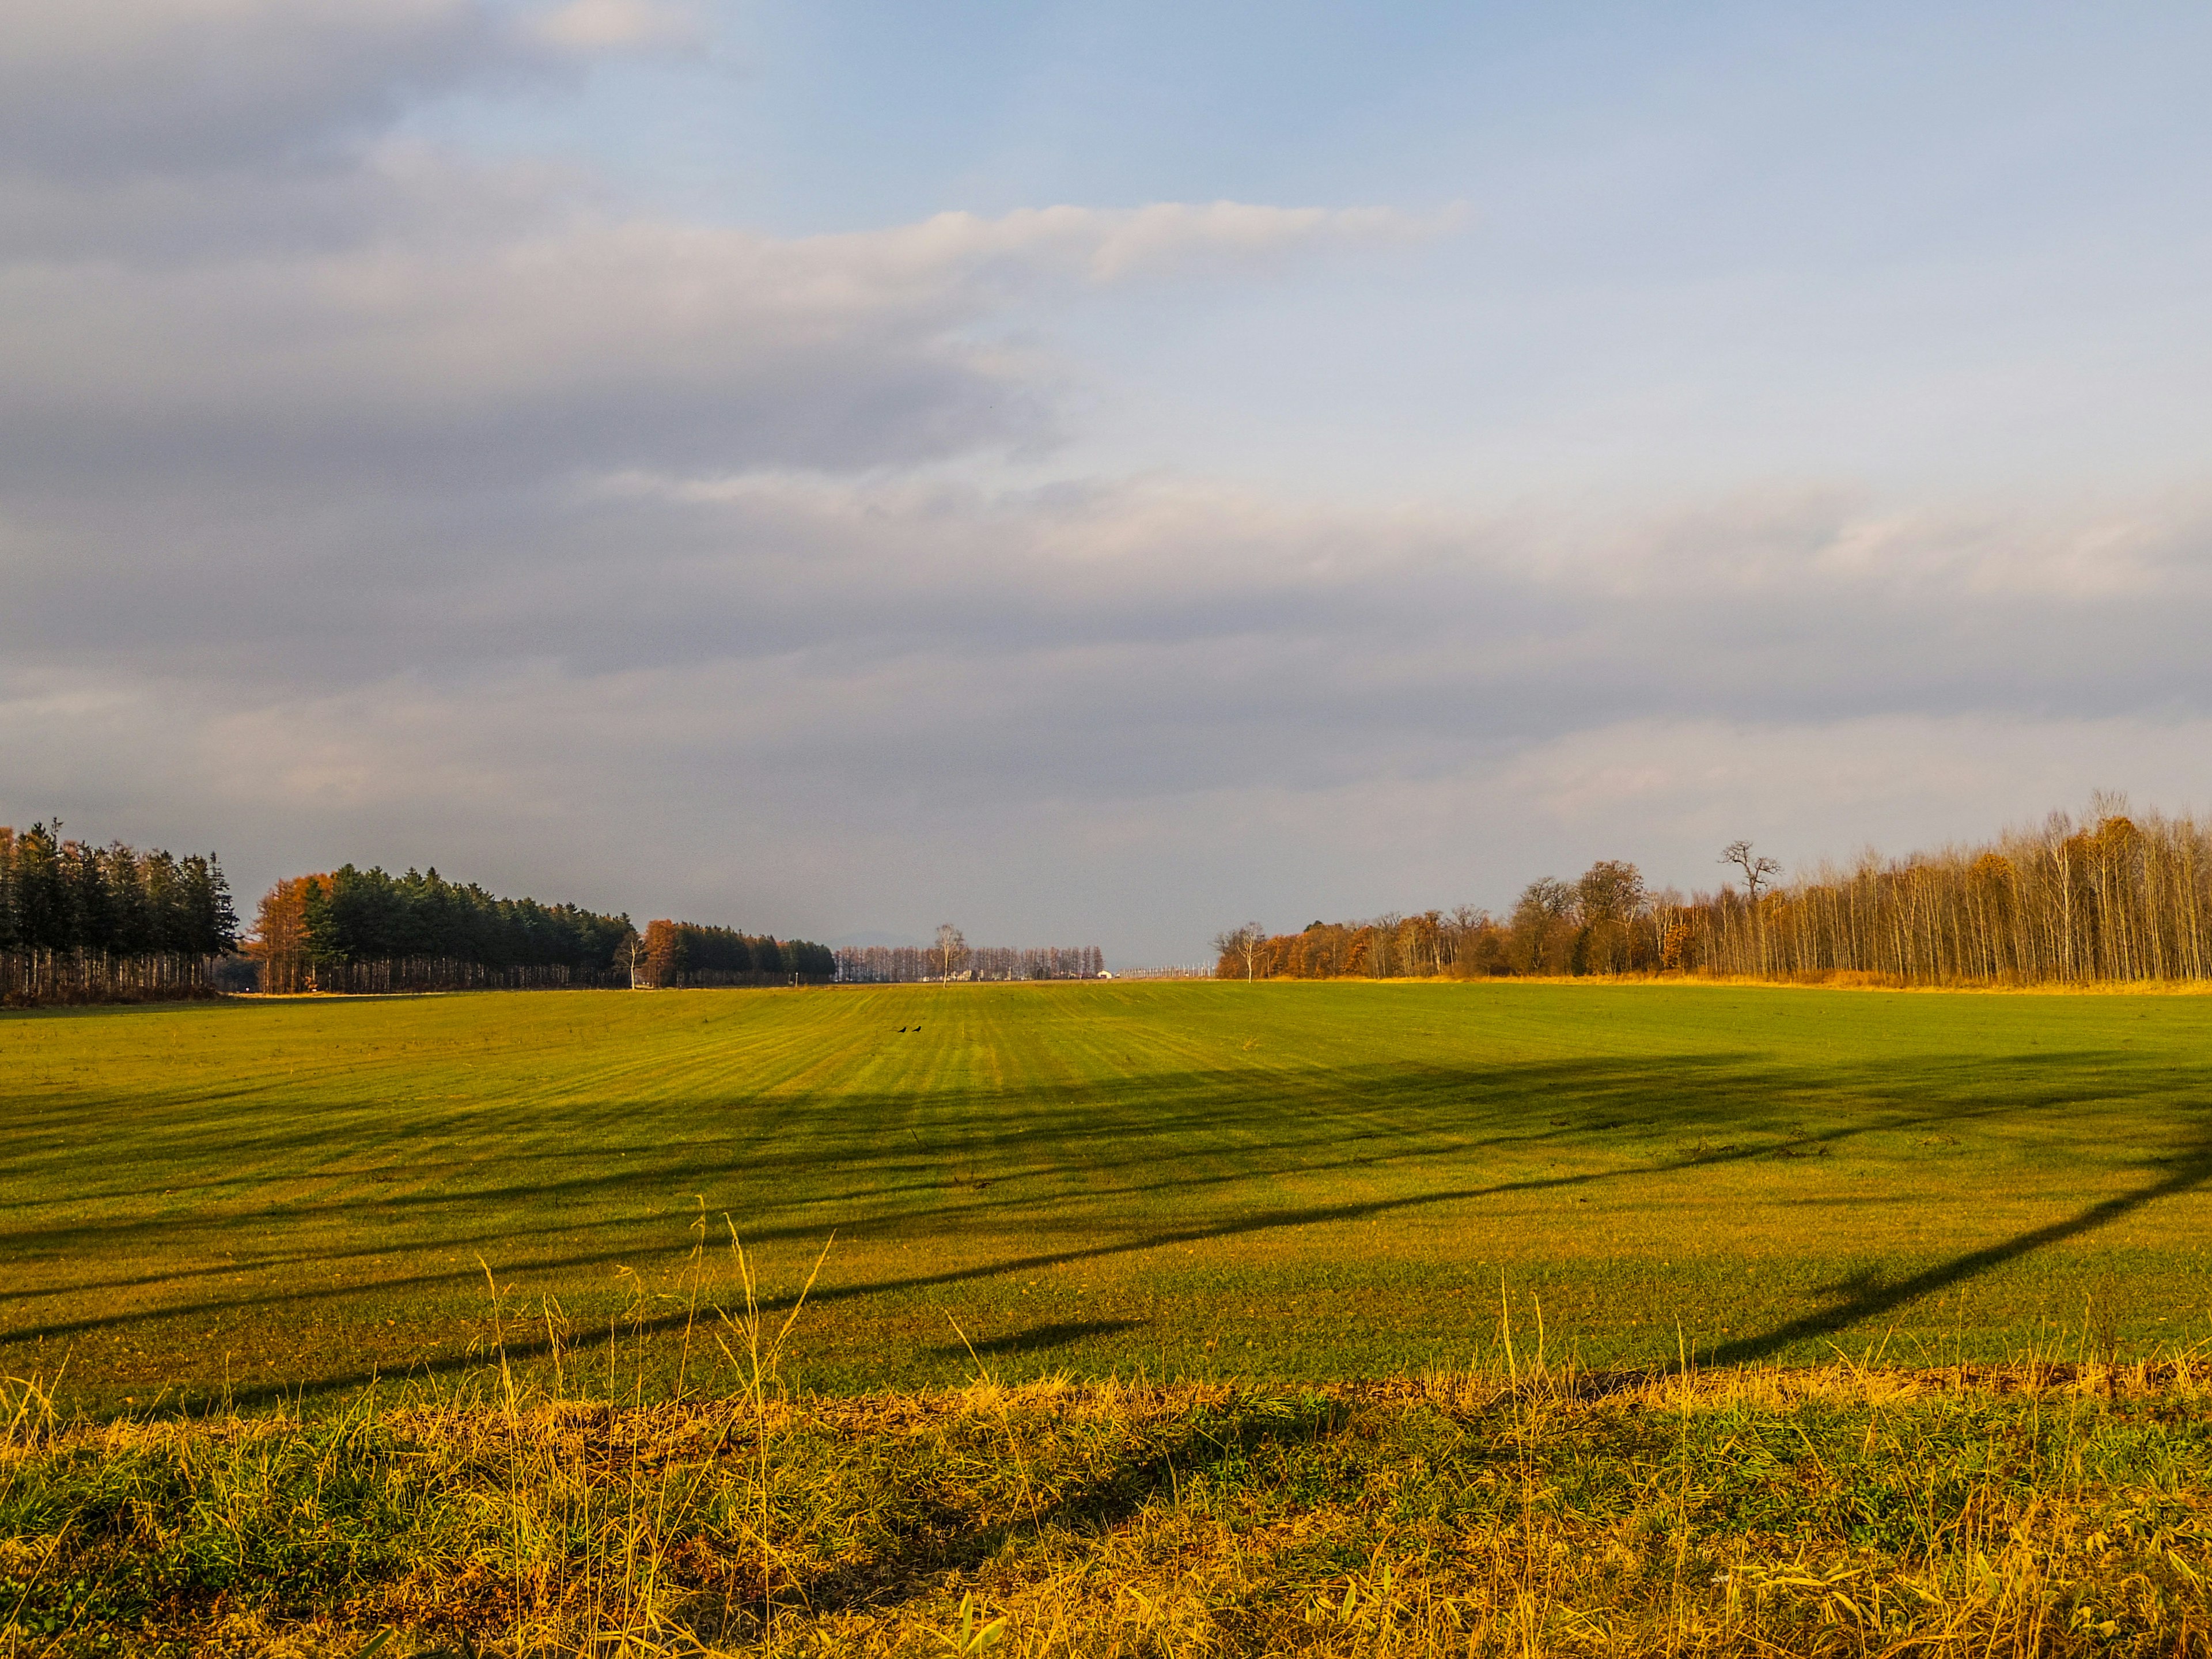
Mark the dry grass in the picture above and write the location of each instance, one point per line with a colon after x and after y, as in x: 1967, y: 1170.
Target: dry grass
x: 2045, y: 1508
x: 1826, y: 978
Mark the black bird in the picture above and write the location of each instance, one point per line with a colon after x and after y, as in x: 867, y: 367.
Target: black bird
x: 901, y: 1031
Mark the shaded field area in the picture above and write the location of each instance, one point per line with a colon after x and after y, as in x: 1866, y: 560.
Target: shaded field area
x: 1302, y: 1181
x: 2042, y: 1511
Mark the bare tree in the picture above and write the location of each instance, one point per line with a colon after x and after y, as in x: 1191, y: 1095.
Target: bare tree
x: 1543, y: 920
x: 630, y: 952
x: 950, y: 950
x: 1610, y: 890
x: 2122, y: 896
x: 1245, y: 942
x: 1757, y: 869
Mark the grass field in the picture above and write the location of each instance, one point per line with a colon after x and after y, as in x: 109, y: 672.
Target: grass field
x: 1296, y: 1182
x: 441, y: 1285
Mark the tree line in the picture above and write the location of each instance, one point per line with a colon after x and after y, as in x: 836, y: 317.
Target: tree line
x: 2114, y: 898
x: 953, y: 958
x: 364, y: 931
x: 82, y: 923
x: 683, y: 953
x: 359, y: 931
x: 86, y: 923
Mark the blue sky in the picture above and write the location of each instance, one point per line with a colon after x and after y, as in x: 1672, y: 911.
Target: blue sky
x: 1095, y: 472
x: 1928, y: 247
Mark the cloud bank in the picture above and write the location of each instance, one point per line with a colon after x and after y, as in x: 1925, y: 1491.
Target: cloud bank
x: 359, y: 500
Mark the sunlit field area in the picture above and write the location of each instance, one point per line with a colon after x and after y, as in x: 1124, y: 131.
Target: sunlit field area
x: 1297, y: 1181
x: 1184, y: 1318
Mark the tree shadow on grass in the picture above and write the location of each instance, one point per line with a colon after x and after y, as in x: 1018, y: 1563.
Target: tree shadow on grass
x: 1866, y: 1296
x: 1037, y: 1338
x: 1176, y: 1138
x: 1159, y: 1136
x: 1205, y: 1447
x: 1149, y: 1141
x: 1201, y: 1233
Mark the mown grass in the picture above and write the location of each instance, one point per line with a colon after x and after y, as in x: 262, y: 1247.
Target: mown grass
x: 1297, y: 1183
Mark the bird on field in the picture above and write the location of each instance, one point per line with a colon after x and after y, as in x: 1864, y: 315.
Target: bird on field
x: 901, y: 1031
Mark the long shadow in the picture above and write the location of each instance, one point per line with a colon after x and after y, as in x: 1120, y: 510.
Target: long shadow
x: 1038, y: 1339
x: 123, y: 1010
x: 1002, y: 1122
x: 28, y: 1243
x: 945, y: 1537
x: 25, y: 1240
x: 1673, y: 1095
x: 538, y: 1346
x: 1871, y: 1298
x: 1169, y: 1112
x: 1262, y: 1221
x: 1484, y: 1110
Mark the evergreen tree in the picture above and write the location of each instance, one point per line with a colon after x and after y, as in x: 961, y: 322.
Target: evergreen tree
x: 83, y: 922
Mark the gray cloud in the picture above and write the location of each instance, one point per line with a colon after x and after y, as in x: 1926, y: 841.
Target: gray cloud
x: 444, y: 363
x: 1791, y: 608
x: 170, y: 87
x: 768, y: 678
x: 355, y: 502
x: 174, y: 85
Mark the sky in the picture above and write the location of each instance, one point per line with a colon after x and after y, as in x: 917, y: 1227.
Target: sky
x: 1096, y: 473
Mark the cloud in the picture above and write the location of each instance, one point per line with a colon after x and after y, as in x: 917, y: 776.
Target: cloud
x: 351, y: 495
x: 825, y: 702
x: 174, y: 85
x: 1108, y: 245
x: 594, y: 25
x: 704, y: 790
x: 357, y: 500
x: 217, y: 267
x: 579, y: 341
x: 1314, y: 624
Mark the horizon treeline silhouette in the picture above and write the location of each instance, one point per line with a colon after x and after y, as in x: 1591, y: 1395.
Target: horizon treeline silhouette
x: 683, y: 953
x: 909, y: 964
x: 83, y: 923
x: 356, y: 932
x: 350, y: 930
x: 2117, y: 898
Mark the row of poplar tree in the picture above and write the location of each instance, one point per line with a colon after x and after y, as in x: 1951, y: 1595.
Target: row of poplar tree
x: 81, y: 922
x: 2114, y: 898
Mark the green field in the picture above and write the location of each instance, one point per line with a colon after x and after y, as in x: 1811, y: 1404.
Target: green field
x: 1301, y: 1181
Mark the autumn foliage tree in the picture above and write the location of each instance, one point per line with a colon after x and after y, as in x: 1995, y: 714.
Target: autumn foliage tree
x: 1240, y: 946
x: 2118, y: 897
x: 1605, y: 922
